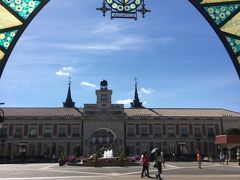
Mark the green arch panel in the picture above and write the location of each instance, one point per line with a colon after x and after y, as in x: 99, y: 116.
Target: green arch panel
x: 224, y: 17
x: 15, y: 16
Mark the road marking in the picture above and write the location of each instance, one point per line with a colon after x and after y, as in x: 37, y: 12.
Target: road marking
x: 57, y: 177
x: 76, y: 172
x: 109, y: 176
x: 46, y: 167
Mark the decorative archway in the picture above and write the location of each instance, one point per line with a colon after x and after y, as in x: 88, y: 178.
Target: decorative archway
x: 103, y: 138
x: 105, y: 132
x: 15, y: 16
x: 223, y: 16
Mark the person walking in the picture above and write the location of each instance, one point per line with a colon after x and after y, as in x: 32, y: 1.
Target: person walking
x: 199, y: 160
x: 221, y: 157
x: 173, y: 157
x: 238, y: 157
x: 162, y: 159
x: 158, y: 165
x: 145, y: 164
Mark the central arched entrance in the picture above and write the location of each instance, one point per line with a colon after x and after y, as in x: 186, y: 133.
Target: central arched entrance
x: 101, y: 139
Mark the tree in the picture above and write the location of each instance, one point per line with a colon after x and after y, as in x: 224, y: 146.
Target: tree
x: 233, y: 131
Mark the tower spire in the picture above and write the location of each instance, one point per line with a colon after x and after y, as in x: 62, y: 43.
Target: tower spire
x: 136, y: 102
x: 69, y: 103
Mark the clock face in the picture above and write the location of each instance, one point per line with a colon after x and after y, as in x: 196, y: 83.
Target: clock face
x: 103, y: 97
x: 124, y: 5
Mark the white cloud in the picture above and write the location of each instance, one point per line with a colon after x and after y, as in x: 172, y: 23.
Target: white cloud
x: 62, y: 73
x: 164, y: 40
x: 122, y: 43
x: 147, y: 91
x: 87, y: 84
x: 69, y: 69
x: 106, y: 28
x: 124, y: 101
x: 65, y: 71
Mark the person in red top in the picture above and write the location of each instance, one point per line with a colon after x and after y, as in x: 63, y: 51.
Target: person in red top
x: 145, y: 164
x: 199, y: 159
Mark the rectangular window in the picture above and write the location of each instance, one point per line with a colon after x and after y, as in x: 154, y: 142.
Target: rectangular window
x: 144, y: 131
x: 62, y: 132
x: 197, y: 132
x: 184, y: 131
x: 130, y: 131
x: 143, y: 147
x: 47, y: 150
x: 3, y: 132
x: 47, y: 132
x: 131, y: 149
x: 33, y: 132
x: 210, y: 132
x: 157, y: 131
x: 158, y: 145
x: 31, y: 150
x: 170, y: 131
x: 18, y: 132
x: 183, y: 147
x: 76, y: 132
x: 171, y: 147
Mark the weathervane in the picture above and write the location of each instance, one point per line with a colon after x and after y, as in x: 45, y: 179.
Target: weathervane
x: 123, y: 8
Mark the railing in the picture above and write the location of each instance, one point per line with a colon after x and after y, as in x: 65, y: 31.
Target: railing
x: 32, y: 135
x: 170, y: 135
x: 61, y: 135
x: 130, y: 134
x: 184, y: 135
x: 76, y: 135
x: 18, y: 135
x: 47, y: 135
x: 144, y: 135
x: 211, y: 135
x: 197, y: 135
x: 157, y: 135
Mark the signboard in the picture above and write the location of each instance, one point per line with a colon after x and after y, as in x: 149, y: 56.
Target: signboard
x: 124, y: 8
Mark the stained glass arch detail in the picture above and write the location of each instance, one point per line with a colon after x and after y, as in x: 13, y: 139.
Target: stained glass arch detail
x: 224, y: 17
x: 15, y: 16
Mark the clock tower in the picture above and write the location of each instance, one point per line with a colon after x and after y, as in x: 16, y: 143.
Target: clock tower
x: 104, y: 102
x: 104, y: 95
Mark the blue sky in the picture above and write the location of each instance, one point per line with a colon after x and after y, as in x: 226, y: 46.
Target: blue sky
x: 174, y: 53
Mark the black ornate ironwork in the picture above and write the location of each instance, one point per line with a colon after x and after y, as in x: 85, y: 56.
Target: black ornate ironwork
x: 104, y: 8
x: 143, y: 10
x: 124, y: 8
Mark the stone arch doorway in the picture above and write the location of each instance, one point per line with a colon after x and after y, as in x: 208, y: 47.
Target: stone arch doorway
x: 102, y: 138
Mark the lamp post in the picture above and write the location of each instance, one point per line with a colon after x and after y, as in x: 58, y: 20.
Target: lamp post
x: 22, y: 150
x: 198, y: 144
x: 3, y: 141
x: 1, y: 124
x: 1, y: 116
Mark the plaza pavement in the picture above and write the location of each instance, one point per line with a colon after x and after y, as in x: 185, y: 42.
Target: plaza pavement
x: 173, y: 171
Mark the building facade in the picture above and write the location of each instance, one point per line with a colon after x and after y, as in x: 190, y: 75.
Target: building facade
x: 43, y: 132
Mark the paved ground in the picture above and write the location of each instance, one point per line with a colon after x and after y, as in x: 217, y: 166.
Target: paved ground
x: 178, y: 170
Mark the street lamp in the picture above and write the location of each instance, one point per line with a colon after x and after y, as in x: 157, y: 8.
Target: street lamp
x: 1, y: 116
x: 22, y: 150
x: 3, y: 141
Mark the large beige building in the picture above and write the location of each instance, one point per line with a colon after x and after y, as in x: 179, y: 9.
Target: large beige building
x: 42, y: 132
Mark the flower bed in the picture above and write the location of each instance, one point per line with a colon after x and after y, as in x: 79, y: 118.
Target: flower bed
x: 101, y: 162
